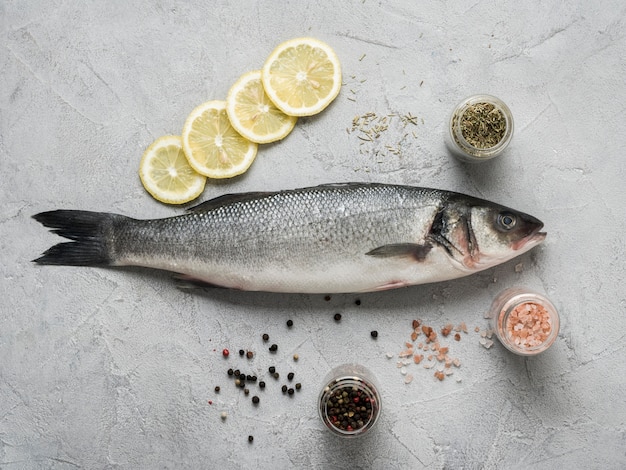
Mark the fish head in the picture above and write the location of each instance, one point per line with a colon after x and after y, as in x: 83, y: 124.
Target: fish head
x: 480, y: 234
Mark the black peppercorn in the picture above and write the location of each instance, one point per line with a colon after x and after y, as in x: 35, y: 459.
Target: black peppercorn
x: 230, y: 372
x: 275, y: 375
x: 241, y: 352
x: 284, y: 388
x: 289, y: 323
x: 236, y: 372
x: 217, y: 389
x: 273, y: 348
x: 250, y: 438
x: 272, y: 369
x: 337, y: 316
x: 290, y: 376
x: 255, y: 399
x: 374, y: 334
x: 298, y: 386
x: 290, y: 391
x: 262, y: 384
x: 266, y: 337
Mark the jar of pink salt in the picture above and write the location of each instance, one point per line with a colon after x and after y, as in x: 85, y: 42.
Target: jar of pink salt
x: 524, y: 321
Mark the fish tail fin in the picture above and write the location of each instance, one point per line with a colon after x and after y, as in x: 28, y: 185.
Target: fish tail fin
x: 88, y: 232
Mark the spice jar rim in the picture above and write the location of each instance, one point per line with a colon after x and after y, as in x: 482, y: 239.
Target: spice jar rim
x: 470, y: 152
x: 512, y: 298
x: 352, y: 381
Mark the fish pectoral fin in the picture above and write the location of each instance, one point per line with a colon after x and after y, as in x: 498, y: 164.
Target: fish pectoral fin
x: 412, y: 250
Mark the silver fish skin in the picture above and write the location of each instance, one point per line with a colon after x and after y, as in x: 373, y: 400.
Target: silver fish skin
x: 336, y: 238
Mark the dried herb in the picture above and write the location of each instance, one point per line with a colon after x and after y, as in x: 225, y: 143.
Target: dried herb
x: 483, y: 125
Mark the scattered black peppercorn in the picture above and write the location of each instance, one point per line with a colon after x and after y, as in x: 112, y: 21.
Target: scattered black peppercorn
x: 357, y: 302
x: 327, y: 298
x: 275, y: 375
x: 289, y: 323
x: 249, y: 377
x: 241, y: 352
x: 255, y: 400
x: 230, y: 372
x: 337, y: 317
x: 250, y: 438
x: 290, y: 391
x: 266, y: 337
x: 284, y: 388
x: 253, y: 378
x: 236, y: 372
x: 217, y: 389
x: 290, y: 376
x: 298, y: 386
x: 272, y: 369
x: 246, y: 391
x: 262, y: 384
x: 374, y: 334
x: 273, y: 348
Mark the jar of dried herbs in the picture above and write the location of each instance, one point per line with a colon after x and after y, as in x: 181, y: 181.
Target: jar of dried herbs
x: 349, y: 403
x: 481, y: 127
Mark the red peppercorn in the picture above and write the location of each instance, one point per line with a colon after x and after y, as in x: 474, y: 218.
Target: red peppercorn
x: 225, y: 352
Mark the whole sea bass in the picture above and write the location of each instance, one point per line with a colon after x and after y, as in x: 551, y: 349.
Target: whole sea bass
x: 352, y: 237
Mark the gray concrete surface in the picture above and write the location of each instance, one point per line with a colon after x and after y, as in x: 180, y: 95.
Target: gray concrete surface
x: 103, y: 368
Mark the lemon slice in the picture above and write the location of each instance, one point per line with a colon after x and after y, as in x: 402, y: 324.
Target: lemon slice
x: 302, y: 76
x: 166, y: 174
x: 213, y: 147
x: 253, y: 114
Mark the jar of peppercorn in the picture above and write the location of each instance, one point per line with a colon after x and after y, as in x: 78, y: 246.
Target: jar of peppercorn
x: 349, y: 403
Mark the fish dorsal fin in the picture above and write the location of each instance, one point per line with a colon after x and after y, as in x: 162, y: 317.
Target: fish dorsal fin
x: 350, y: 184
x: 225, y: 199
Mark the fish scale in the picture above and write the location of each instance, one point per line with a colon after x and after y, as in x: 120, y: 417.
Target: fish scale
x: 349, y: 237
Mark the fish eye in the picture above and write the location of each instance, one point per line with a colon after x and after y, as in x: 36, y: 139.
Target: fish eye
x: 507, y: 220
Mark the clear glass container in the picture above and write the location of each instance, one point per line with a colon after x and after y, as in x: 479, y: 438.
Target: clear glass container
x: 349, y: 403
x: 525, y: 322
x: 481, y: 115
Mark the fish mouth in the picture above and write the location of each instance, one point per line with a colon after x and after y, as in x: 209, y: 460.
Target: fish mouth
x: 532, y: 240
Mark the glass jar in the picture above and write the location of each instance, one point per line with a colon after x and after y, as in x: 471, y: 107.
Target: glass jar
x: 480, y: 128
x: 524, y: 321
x: 349, y: 403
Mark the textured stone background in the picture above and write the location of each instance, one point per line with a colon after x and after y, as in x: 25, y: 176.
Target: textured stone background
x: 115, y: 368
